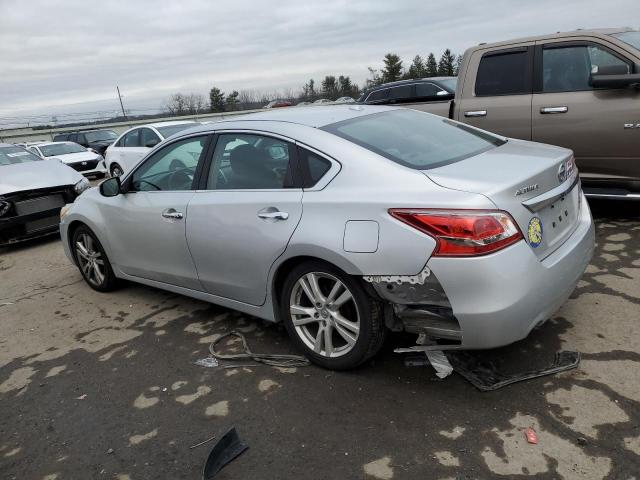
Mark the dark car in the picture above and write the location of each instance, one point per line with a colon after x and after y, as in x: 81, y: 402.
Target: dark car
x: 408, y: 91
x: 97, y: 140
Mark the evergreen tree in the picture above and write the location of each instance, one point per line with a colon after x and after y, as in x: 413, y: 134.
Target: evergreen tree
x: 446, y: 66
x: 232, y: 100
x: 431, y: 67
x: 374, y: 78
x: 346, y: 88
x: 216, y: 100
x: 330, y: 87
x: 392, y: 70
x: 417, y: 68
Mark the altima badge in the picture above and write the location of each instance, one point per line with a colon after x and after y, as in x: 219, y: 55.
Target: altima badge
x: 631, y: 125
x: 527, y: 189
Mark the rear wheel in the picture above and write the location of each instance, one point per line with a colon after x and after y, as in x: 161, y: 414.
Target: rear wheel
x: 116, y: 170
x: 330, y: 317
x: 92, y: 260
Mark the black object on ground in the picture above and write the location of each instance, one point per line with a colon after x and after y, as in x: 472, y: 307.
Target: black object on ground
x: 227, y: 449
x: 485, y: 376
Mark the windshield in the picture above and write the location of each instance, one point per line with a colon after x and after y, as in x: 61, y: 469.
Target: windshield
x: 415, y: 139
x: 11, y: 155
x: 100, y: 136
x: 169, y: 130
x: 61, y: 149
x: 632, y: 38
x: 450, y: 84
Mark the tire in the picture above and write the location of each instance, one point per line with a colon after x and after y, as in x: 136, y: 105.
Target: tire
x: 92, y: 260
x: 115, y: 170
x: 341, y: 326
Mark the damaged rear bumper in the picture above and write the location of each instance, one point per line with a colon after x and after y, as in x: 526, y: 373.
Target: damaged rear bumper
x: 490, y: 301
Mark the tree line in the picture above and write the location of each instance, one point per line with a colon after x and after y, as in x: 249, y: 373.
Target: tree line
x: 330, y: 87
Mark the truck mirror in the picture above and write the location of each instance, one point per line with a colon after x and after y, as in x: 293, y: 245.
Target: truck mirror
x: 615, y: 81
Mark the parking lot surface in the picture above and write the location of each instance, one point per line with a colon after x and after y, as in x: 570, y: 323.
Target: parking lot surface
x: 104, y: 386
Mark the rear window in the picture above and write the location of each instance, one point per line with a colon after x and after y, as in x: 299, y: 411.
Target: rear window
x: 630, y: 38
x: 378, y: 95
x: 415, y: 139
x: 13, y: 155
x: 172, y: 129
x: 504, y: 74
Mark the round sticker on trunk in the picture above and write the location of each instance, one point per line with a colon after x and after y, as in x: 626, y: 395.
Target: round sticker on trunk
x: 534, y: 232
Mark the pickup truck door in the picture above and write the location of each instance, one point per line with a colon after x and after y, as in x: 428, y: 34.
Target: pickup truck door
x: 594, y: 123
x: 496, y: 94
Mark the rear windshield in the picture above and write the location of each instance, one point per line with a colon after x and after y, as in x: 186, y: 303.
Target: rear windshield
x: 632, y: 38
x: 415, y: 139
x: 171, y: 129
x: 11, y: 155
x: 449, y: 84
x: 61, y: 149
x: 100, y: 136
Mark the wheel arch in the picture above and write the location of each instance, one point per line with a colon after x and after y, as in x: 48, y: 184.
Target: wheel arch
x: 286, y: 265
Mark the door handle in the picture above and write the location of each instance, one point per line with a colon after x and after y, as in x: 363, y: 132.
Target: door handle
x: 172, y: 213
x: 268, y: 214
x: 546, y: 110
x: 476, y: 113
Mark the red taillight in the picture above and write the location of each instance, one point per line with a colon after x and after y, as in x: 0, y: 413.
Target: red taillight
x: 462, y: 233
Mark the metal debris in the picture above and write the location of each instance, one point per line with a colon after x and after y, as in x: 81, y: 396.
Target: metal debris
x: 530, y: 435
x: 273, y: 360
x: 440, y: 363
x: 209, y: 362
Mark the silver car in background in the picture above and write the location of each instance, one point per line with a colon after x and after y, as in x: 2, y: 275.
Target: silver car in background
x: 345, y: 222
x: 32, y: 192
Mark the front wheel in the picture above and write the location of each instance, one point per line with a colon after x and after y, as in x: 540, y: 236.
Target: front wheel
x: 330, y: 317
x: 92, y: 260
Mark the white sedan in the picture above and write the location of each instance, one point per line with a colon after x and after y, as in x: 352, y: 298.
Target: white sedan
x: 136, y: 142
x: 83, y: 160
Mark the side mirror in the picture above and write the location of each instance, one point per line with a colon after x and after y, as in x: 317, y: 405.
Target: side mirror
x: 626, y: 80
x: 111, y: 187
x: 152, y: 143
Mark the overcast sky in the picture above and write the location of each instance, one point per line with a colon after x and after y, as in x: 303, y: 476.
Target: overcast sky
x: 67, y: 55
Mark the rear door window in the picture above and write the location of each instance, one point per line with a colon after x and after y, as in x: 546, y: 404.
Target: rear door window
x: 400, y: 93
x: 427, y: 90
x: 132, y: 139
x: 504, y: 73
x: 244, y: 161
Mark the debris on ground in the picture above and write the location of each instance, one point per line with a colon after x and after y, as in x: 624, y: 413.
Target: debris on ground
x: 227, y: 449
x: 582, y: 441
x: 202, y: 443
x: 440, y: 363
x: 82, y: 397
x: 273, y: 360
x: 208, y: 362
x: 530, y: 435
x: 485, y: 376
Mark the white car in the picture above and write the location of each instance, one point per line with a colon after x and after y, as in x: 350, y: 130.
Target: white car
x: 83, y: 160
x: 135, y: 143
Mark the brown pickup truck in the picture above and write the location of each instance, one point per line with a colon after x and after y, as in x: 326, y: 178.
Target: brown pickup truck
x: 579, y: 90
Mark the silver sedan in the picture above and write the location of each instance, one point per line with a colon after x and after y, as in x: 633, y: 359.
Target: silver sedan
x: 345, y: 222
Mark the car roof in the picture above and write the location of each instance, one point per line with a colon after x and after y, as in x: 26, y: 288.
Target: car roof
x: 312, y: 116
x: 165, y: 124
x: 573, y: 33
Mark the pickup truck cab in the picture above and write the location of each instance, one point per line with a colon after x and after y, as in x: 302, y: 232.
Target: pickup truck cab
x: 579, y: 90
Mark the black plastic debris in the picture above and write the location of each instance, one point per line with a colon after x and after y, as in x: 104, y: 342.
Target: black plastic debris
x: 485, y: 376
x: 227, y: 449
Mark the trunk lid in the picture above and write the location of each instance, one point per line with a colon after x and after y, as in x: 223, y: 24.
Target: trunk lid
x: 537, y: 184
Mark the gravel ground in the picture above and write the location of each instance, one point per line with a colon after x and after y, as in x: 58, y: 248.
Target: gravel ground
x: 104, y: 386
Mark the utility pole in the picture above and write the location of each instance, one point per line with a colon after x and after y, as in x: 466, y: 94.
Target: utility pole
x: 121, y: 106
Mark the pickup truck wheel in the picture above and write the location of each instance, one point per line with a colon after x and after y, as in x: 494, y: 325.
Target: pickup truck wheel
x: 116, y: 170
x: 330, y: 317
x: 92, y: 261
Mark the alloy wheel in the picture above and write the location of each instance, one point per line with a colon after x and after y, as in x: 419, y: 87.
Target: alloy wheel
x: 324, y: 314
x: 90, y: 259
